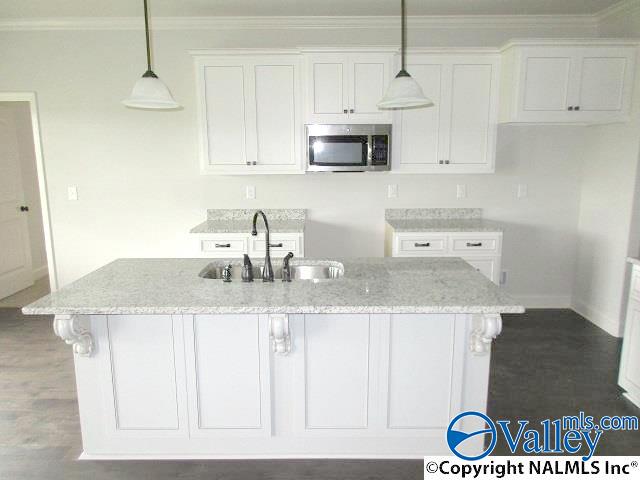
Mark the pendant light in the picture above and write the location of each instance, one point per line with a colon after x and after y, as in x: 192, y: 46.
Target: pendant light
x: 149, y: 92
x: 404, y: 91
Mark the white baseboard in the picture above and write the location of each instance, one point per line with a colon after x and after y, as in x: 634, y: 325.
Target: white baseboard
x: 40, y: 272
x: 610, y: 325
x: 544, y: 301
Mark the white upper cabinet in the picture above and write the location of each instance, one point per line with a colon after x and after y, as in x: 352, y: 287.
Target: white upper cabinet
x: 457, y: 134
x: 571, y: 83
x: 344, y: 87
x: 250, y: 112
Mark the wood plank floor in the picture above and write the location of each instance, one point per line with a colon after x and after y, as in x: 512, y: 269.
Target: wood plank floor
x: 547, y: 363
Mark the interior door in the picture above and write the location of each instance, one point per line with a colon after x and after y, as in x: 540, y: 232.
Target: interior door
x: 15, y: 254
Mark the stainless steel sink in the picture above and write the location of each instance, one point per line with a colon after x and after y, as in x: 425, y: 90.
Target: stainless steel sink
x: 298, y: 272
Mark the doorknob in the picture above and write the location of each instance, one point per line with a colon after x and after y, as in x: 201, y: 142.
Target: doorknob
x: 24, y: 208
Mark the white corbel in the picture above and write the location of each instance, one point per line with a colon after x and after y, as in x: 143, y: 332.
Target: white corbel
x: 68, y: 328
x: 279, y: 334
x: 485, y: 328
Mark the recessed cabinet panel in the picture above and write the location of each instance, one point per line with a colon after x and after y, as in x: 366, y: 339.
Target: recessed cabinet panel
x: 336, y: 371
x: 225, y: 107
x: 227, y: 397
x: 368, y: 87
x: 143, y: 372
x: 275, y: 114
x: 420, y: 127
x: 602, y: 83
x: 424, y: 346
x: 470, y: 114
x: 546, y: 84
x: 328, y: 93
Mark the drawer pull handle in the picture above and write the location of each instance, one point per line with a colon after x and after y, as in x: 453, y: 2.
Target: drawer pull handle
x: 428, y: 244
x: 223, y: 245
x: 471, y: 244
x: 276, y: 245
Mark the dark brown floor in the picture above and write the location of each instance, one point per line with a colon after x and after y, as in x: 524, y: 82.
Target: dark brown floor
x: 547, y: 363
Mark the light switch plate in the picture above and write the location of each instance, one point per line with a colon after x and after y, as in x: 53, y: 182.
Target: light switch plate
x: 392, y: 191
x: 461, y: 191
x: 523, y: 190
x: 72, y: 193
x: 250, y: 192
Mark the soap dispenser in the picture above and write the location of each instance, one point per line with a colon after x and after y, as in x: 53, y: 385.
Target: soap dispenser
x: 247, y: 269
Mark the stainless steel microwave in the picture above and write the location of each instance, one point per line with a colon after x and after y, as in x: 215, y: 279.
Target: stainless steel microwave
x: 348, y: 148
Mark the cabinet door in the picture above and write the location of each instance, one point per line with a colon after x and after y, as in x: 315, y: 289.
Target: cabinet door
x: 417, y: 132
x: 225, y: 129
x: 327, y: 88
x: 546, y: 78
x: 276, y: 96
x: 228, y: 377
x: 629, y: 378
x: 368, y: 80
x: 605, y: 82
x: 472, y: 129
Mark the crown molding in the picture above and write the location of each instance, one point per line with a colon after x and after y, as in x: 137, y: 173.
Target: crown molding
x: 299, y: 22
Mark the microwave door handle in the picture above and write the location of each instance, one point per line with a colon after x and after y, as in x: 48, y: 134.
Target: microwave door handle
x: 369, y: 150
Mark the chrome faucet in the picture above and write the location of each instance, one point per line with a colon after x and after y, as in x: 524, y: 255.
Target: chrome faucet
x: 267, y: 271
x: 286, y: 268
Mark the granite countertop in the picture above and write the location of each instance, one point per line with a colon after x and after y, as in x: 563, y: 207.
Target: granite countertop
x: 239, y: 220
x: 440, y: 220
x: 369, y: 285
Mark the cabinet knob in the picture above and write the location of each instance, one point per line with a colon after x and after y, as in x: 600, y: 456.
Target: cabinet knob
x: 255, y: 163
x: 248, y: 162
x: 474, y: 244
x: 346, y: 111
x: 223, y: 245
x: 275, y: 245
x: 417, y: 245
x: 447, y: 162
x: 351, y: 111
x: 440, y: 162
x: 24, y: 208
x: 577, y: 108
x: 571, y: 108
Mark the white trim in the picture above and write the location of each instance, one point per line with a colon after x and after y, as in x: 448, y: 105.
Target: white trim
x: 598, y: 318
x: 543, y: 301
x: 301, y: 22
x: 40, y: 272
x: 42, y: 181
x: 266, y: 456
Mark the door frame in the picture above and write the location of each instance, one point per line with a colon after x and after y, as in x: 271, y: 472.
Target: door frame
x: 31, y: 98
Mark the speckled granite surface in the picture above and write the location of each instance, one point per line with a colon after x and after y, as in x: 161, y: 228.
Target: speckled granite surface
x: 440, y: 220
x: 369, y: 285
x: 289, y: 220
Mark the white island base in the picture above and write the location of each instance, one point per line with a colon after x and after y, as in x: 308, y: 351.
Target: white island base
x: 277, y: 386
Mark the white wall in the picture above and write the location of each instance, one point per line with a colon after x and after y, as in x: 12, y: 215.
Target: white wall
x: 26, y: 152
x: 137, y: 171
x: 609, y: 191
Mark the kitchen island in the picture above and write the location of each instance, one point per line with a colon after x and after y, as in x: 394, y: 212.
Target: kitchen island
x: 372, y: 363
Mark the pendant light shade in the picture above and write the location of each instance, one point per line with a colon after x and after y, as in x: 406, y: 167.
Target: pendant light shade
x: 150, y: 92
x: 404, y: 91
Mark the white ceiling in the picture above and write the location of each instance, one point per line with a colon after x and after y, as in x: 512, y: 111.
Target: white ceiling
x: 198, y: 8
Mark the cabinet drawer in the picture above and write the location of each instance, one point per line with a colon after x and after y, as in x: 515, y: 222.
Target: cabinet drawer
x: 476, y: 243
x: 416, y: 245
x: 223, y: 246
x: 280, y: 245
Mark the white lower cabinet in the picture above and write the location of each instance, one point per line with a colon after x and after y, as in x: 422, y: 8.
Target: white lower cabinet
x: 629, y: 376
x: 234, y: 245
x: 258, y: 385
x: 481, y: 250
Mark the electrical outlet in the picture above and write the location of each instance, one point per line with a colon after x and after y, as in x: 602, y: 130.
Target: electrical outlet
x: 392, y: 191
x: 503, y: 277
x: 250, y: 192
x: 72, y: 193
x: 461, y: 191
x: 523, y: 190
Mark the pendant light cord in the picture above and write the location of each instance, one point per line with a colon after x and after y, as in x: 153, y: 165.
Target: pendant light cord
x: 149, y: 72
x: 403, y: 40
